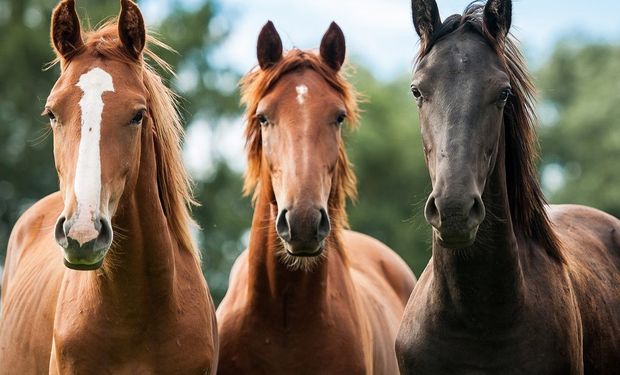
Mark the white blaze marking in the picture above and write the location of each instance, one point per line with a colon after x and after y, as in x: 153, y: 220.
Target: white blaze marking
x: 87, y: 184
x: 302, y: 91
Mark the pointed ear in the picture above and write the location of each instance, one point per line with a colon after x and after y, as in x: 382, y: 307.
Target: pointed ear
x: 425, y: 18
x: 497, y: 17
x: 131, y: 28
x: 333, y: 47
x: 65, y: 31
x: 269, y: 46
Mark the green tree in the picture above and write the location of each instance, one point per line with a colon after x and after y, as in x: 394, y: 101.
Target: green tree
x: 209, y: 93
x: 393, y: 182
x: 225, y: 217
x: 580, y: 86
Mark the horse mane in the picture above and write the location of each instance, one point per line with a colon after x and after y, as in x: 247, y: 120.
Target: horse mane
x: 256, y: 84
x: 525, y: 196
x: 173, y: 180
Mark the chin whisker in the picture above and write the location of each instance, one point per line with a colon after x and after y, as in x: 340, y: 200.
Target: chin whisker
x: 297, y: 263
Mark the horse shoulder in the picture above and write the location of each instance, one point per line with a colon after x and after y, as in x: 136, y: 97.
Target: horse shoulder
x: 375, y: 260
x: 236, y: 295
x: 383, y: 282
x: 590, y: 241
x: 32, y: 226
x: 30, y: 291
x: 587, y: 220
x: 591, y: 246
x: 231, y: 314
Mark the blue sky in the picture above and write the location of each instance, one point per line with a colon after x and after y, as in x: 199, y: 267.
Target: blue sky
x: 380, y: 34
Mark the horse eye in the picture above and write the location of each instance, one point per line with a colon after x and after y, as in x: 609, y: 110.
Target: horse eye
x: 262, y: 119
x: 504, y: 95
x: 50, y: 115
x: 340, y: 119
x: 416, y: 93
x: 137, y: 119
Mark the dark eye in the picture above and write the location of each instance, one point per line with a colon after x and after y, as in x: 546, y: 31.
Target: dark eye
x: 340, y: 119
x: 262, y: 119
x: 50, y: 115
x: 504, y: 95
x: 416, y: 93
x: 137, y: 119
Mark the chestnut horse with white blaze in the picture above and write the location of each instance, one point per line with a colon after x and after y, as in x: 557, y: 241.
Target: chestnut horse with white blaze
x: 130, y: 296
x: 514, y: 286
x: 307, y: 296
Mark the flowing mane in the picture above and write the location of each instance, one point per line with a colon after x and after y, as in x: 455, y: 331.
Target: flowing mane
x: 256, y: 84
x: 175, y: 185
x: 526, y: 199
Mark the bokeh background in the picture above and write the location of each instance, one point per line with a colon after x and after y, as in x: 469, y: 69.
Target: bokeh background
x: 572, y: 48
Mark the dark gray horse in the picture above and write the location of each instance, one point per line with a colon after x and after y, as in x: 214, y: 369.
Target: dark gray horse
x: 514, y: 286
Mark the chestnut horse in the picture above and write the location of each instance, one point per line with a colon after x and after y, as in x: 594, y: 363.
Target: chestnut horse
x: 130, y: 297
x: 514, y: 286
x: 308, y: 296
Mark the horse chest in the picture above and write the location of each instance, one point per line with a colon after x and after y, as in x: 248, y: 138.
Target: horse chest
x: 268, y: 357
x: 309, y: 347
x: 431, y: 343
x: 83, y: 346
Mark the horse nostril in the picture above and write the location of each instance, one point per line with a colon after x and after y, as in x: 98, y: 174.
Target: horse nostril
x: 282, y: 226
x: 104, y: 239
x: 60, y: 233
x: 477, y: 212
x: 324, y: 227
x: 431, y: 212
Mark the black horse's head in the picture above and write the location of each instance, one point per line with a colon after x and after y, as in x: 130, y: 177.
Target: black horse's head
x: 461, y: 87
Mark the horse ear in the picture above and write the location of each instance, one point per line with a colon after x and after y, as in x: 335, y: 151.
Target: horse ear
x: 426, y: 18
x: 65, y: 31
x: 497, y: 17
x: 333, y: 47
x: 131, y: 29
x: 269, y: 46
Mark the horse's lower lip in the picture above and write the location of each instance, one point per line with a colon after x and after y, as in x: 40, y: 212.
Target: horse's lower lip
x: 84, y: 259
x: 83, y: 266
x: 305, y: 253
x: 456, y: 240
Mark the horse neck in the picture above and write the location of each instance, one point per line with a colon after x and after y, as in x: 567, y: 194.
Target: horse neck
x: 140, y: 267
x: 485, y: 280
x: 272, y: 285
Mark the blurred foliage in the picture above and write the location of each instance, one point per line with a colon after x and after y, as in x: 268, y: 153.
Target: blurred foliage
x: 225, y: 217
x: 393, y: 183
x: 580, y: 104
x: 209, y: 91
x: 580, y: 87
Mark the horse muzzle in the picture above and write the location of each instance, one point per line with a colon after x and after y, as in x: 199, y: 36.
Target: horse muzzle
x: 455, y: 221
x: 84, y: 246
x: 303, y: 232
